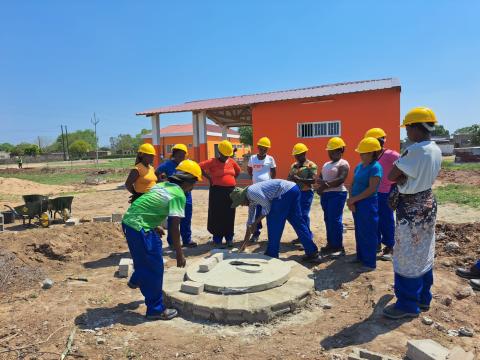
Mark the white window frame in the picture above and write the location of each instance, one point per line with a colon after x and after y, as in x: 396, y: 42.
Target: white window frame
x: 301, y: 126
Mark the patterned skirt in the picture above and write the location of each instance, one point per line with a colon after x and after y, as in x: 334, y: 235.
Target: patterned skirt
x: 414, y: 250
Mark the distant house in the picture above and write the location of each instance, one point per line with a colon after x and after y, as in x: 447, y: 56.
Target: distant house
x: 462, y: 140
x: 101, y: 153
x: 183, y: 134
x: 4, y: 155
x: 445, y: 144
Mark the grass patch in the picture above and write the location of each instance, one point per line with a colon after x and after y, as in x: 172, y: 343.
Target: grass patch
x: 451, y: 165
x: 458, y: 194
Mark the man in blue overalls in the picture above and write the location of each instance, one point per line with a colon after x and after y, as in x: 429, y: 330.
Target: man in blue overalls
x: 166, y: 169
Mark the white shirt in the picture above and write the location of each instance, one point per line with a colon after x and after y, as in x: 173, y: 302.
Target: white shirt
x: 330, y: 172
x: 421, y: 163
x: 261, y: 168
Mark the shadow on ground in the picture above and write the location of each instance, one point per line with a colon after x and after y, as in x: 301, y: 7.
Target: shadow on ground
x: 365, y: 331
x: 102, y: 317
x: 111, y: 260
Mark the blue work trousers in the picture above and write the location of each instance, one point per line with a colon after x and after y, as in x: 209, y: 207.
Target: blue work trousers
x: 287, y: 207
x: 411, y: 292
x: 258, y: 213
x: 478, y: 264
x: 366, y: 230
x: 146, y: 251
x: 306, y: 199
x: 185, y: 223
x: 386, y: 222
x: 333, y: 203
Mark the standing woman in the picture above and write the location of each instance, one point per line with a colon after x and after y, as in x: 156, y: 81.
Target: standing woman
x: 386, y: 221
x: 142, y: 177
x: 333, y: 195
x: 303, y: 172
x: 222, y: 173
x: 414, y: 251
x: 363, y: 202
x: 166, y: 169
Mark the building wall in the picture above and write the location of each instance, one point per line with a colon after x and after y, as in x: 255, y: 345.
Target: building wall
x: 356, y: 112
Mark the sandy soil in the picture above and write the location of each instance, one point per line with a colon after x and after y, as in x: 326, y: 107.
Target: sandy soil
x: 12, y: 186
x: 104, y: 307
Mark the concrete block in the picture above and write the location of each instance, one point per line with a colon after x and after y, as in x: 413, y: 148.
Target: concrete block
x: 191, y: 287
x: 72, y: 222
x: 218, y: 257
x: 125, y: 267
x: 354, y: 357
x: 102, y: 219
x: 457, y: 353
x: 117, y: 217
x: 207, y: 265
x: 426, y: 350
x: 369, y: 355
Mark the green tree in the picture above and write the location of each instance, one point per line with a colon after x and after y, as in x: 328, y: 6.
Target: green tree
x: 87, y: 135
x: 25, y: 149
x: 474, y: 130
x: 79, y: 148
x: 440, y: 131
x: 6, y: 147
x: 246, y: 135
x: 123, y: 143
x: 32, y: 150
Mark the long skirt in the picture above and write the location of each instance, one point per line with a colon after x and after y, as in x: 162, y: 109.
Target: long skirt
x: 414, y: 250
x: 221, y: 216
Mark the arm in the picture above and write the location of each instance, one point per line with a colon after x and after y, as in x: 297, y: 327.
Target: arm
x: 174, y: 231
x: 372, y: 188
x: 161, y: 174
x: 250, y: 230
x: 342, y: 176
x: 396, y: 175
x: 132, y: 177
x: 273, y: 172
x: 250, y: 171
x: 237, y: 169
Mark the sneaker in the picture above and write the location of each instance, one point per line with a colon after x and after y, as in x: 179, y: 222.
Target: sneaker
x: 424, y: 307
x: 295, y: 242
x: 191, y: 244
x: 392, y: 312
x: 167, y: 314
x: 471, y: 273
x: 132, y: 285
x: 330, y: 250
x: 386, y: 254
x: 311, y: 257
x: 475, y: 284
x: 254, y: 238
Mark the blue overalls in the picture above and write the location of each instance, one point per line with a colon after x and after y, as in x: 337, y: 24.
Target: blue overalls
x: 168, y: 167
x: 333, y: 203
x: 412, y: 292
x: 306, y: 199
x: 386, y: 221
x: 146, y: 251
x: 258, y: 213
x: 287, y: 207
x: 478, y: 264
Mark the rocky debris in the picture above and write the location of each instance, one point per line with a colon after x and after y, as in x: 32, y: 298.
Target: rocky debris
x: 47, y: 284
x: 464, y: 292
x: 440, y: 327
x: 344, y: 294
x: 72, y: 222
x: 464, y: 331
x: 446, y: 300
x: 101, y: 340
x: 452, y: 333
x: 427, y: 321
x: 452, y: 246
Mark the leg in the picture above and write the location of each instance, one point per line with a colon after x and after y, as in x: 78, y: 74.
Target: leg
x: 275, y: 224
x: 298, y: 221
x: 258, y: 213
x: 477, y: 265
x: 366, y: 226
x: 306, y: 199
x: 324, y: 201
x: 186, y: 225
x: 426, y: 294
x: 408, y: 292
x: 386, y: 221
x: 335, y: 218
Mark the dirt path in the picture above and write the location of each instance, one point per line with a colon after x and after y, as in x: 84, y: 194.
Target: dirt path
x: 104, y: 307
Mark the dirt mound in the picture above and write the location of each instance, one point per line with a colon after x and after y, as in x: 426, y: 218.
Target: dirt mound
x: 13, y: 186
x: 15, y: 275
x: 466, y: 236
x: 466, y: 177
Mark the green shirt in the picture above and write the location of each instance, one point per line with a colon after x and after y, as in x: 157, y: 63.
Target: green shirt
x: 308, y: 170
x: 152, y: 208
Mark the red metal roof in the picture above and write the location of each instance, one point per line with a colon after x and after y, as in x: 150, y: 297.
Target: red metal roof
x: 310, y: 92
x: 188, y: 129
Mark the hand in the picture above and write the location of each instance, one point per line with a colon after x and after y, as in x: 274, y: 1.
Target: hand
x: 321, y: 182
x: 160, y: 231
x: 401, y: 180
x: 352, y: 207
x: 350, y: 201
x: 181, y: 262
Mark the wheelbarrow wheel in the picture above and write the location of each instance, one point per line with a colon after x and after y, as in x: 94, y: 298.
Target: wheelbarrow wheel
x: 65, y: 214
x: 44, y: 220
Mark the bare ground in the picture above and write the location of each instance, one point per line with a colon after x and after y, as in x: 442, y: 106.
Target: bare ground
x: 104, y: 307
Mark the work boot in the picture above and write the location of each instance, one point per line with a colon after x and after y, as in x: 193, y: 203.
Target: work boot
x: 330, y: 250
x: 386, y: 254
x: 295, y: 242
x: 424, y: 307
x: 230, y: 244
x: 472, y: 273
x: 392, y: 312
x: 191, y: 244
x: 312, y: 257
x: 132, y: 285
x: 475, y: 283
x: 167, y: 314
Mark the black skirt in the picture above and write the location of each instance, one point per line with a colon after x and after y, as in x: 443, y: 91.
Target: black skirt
x: 221, y: 216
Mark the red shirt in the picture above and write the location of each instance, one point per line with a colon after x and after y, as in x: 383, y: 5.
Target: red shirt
x: 222, y: 174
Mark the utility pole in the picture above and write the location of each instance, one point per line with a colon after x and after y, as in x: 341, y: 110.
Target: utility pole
x: 68, y: 145
x: 95, y: 122
x: 63, y: 145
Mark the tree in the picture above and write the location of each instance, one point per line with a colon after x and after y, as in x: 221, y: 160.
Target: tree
x: 25, y: 149
x: 79, y: 148
x: 440, y: 131
x: 6, y: 147
x: 474, y: 130
x: 123, y: 143
x: 32, y: 150
x: 246, y: 135
x: 87, y: 135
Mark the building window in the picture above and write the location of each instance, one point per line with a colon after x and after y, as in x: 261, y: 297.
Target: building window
x: 169, y: 148
x: 319, y: 129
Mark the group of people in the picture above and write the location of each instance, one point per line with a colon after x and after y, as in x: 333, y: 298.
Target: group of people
x: 383, y: 182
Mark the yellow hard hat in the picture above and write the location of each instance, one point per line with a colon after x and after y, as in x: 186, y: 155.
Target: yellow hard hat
x: 226, y: 148
x: 375, y: 133
x: 368, y: 144
x: 419, y: 115
x: 265, y: 142
x: 335, y: 143
x: 182, y: 147
x: 191, y: 167
x: 147, y: 149
x: 299, y: 148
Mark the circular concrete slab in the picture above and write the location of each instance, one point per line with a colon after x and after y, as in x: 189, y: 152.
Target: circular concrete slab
x: 241, y: 273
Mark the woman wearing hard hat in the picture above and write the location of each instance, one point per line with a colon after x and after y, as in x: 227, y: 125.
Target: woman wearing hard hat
x: 166, y: 169
x: 386, y: 221
x: 141, y: 228
x: 222, y: 173
x: 363, y: 202
x: 333, y: 195
x: 261, y: 167
x: 414, y: 251
x: 142, y: 177
x: 303, y: 172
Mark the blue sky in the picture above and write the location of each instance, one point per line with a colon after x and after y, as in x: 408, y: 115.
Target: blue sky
x: 60, y: 61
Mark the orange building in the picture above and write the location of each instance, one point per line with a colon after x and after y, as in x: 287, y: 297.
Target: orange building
x: 309, y: 115
x: 183, y: 134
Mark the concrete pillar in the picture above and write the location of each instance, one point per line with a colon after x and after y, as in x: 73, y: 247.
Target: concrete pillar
x: 224, y: 133
x: 156, y: 137
x: 199, y: 120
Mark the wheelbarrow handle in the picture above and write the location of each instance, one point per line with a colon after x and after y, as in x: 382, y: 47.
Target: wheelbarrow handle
x: 13, y: 211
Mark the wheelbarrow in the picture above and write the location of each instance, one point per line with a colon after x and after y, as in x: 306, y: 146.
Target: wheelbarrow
x: 61, y: 205
x: 36, y: 208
